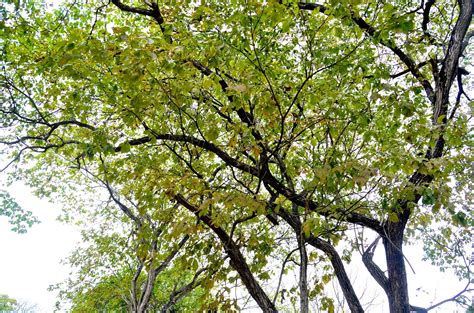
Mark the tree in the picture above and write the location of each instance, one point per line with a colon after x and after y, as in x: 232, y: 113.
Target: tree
x: 112, y: 294
x: 25, y: 307
x: 129, y: 264
x: 280, y: 125
x: 10, y: 305
x: 7, y: 304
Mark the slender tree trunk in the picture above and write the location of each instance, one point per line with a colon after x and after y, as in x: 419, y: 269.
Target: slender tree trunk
x: 303, y: 283
x: 339, y: 270
x: 331, y: 253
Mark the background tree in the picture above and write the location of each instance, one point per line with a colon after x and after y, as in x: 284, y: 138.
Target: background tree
x: 134, y: 261
x: 10, y: 305
x: 7, y: 304
x: 334, y: 124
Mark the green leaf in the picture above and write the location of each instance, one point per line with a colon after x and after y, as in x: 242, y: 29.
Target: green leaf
x: 125, y: 147
x: 428, y: 197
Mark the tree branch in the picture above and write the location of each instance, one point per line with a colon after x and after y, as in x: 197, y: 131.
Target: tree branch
x: 373, y: 268
x: 371, y: 31
x: 265, y: 176
x: 237, y: 260
x: 155, y: 12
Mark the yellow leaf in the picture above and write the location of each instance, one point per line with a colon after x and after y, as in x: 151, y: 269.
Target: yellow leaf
x: 256, y: 150
x: 238, y: 88
x: 326, y: 278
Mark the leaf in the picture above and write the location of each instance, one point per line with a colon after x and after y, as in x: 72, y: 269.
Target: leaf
x: 306, y: 228
x: 428, y: 197
x: 406, y: 26
x: 20, y: 219
x: 240, y: 88
x: 460, y: 218
x: 125, y: 147
x: 326, y: 278
x: 393, y: 217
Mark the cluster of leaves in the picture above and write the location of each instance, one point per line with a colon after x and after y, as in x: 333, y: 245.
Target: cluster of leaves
x: 17, y: 217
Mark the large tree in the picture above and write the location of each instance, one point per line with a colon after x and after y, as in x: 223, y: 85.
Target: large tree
x: 283, y: 126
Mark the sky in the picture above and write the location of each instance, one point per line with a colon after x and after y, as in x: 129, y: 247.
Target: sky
x: 30, y: 262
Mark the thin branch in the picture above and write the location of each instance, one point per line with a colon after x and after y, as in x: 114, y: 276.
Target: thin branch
x: 390, y: 44
x: 453, y: 298
x: 281, y: 273
x: 183, y: 291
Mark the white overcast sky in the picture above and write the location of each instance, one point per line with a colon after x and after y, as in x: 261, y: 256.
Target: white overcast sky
x: 30, y: 262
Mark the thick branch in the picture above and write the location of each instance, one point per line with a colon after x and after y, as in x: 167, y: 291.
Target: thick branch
x: 237, y: 260
x: 154, y: 12
x: 265, y: 176
x: 426, y: 15
x: 339, y: 270
x: 449, y: 69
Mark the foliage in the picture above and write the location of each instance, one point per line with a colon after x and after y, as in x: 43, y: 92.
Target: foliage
x: 17, y: 217
x: 108, y: 296
x: 254, y: 129
x: 116, y: 259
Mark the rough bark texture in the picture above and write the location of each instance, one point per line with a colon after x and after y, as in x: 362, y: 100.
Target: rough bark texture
x: 373, y: 268
x: 394, y: 231
x: 398, y: 285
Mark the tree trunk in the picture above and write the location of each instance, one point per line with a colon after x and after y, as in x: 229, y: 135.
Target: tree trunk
x: 397, y: 276
x: 339, y: 270
x: 303, y: 283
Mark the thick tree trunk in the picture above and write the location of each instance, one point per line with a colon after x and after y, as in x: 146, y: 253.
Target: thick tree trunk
x: 393, y: 236
x: 397, y: 276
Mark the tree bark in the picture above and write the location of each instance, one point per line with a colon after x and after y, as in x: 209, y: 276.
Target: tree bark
x: 336, y: 262
x: 397, y: 277
x: 393, y: 236
x: 339, y: 270
x: 303, y: 283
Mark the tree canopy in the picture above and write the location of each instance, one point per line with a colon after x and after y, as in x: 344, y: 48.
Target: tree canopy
x: 237, y: 137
